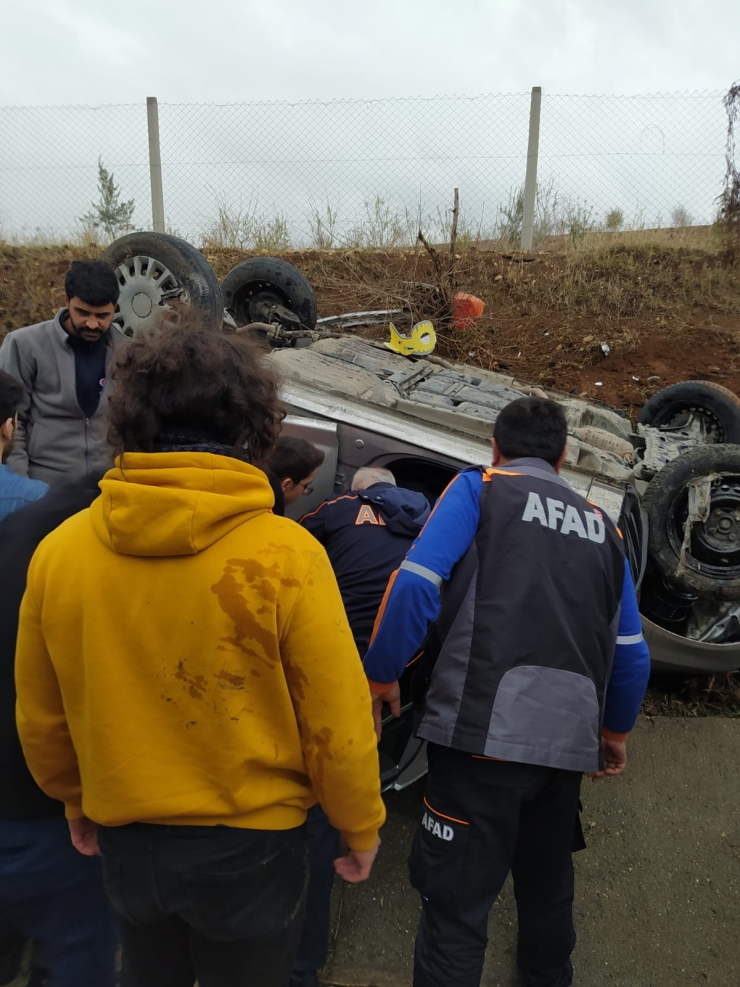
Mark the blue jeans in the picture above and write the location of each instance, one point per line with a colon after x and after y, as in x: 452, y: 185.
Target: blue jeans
x: 216, y: 903
x: 51, y: 894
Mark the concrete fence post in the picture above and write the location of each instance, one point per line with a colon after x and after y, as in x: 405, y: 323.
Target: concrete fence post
x: 530, y: 181
x: 155, y: 164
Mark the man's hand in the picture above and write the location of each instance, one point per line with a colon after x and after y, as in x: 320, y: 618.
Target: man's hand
x: 615, y: 759
x: 392, y: 696
x: 84, y: 833
x: 356, y: 866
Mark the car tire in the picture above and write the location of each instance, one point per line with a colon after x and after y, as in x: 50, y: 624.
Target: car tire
x: 717, y: 405
x: 252, y: 286
x: 163, y: 277
x: 712, y: 564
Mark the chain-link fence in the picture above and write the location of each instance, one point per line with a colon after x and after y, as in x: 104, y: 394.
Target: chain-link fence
x: 49, y: 166
x: 365, y: 173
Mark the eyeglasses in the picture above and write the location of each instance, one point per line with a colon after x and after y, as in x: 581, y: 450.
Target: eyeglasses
x: 307, y: 488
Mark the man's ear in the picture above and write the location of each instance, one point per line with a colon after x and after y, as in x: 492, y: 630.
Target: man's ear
x: 559, y: 464
x: 496, y: 453
x: 286, y: 484
x: 6, y: 429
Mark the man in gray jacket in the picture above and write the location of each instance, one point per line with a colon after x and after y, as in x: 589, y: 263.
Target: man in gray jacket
x: 64, y: 365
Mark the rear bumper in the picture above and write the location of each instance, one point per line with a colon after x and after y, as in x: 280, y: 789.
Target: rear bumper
x: 673, y: 653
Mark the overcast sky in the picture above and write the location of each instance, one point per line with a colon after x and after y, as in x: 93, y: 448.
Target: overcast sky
x: 93, y: 52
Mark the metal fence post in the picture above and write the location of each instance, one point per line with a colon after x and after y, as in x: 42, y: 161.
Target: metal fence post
x: 530, y: 181
x: 155, y: 164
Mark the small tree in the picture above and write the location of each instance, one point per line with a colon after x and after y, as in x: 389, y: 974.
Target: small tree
x: 614, y: 221
x: 109, y: 213
x: 511, y: 217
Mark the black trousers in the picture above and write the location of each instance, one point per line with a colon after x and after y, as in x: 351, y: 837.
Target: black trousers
x: 220, y: 905
x: 481, y: 819
x: 323, y: 850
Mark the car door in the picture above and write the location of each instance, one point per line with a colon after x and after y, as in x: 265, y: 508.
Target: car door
x: 323, y: 435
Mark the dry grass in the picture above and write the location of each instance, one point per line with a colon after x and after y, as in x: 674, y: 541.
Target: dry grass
x: 602, y: 276
x: 32, y: 280
x: 698, y: 696
x: 556, y: 305
x: 619, y: 275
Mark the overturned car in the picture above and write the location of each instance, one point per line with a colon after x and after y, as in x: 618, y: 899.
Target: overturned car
x: 671, y: 482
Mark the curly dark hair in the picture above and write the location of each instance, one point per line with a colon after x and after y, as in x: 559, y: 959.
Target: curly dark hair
x: 194, y: 379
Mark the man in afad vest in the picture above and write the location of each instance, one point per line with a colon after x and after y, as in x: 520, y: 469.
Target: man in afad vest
x: 533, y: 674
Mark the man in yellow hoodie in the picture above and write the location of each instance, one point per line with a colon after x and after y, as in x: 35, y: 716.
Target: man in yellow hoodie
x: 188, y: 684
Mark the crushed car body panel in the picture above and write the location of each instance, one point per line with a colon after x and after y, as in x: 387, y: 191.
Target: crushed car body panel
x: 387, y: 406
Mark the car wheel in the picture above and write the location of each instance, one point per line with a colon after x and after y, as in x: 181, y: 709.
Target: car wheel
x: 161, y: 278
x: 710, y: 566
x: 718, y: 408
x: 256, y: 288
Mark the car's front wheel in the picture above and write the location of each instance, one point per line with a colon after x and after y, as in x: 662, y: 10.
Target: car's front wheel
x: 693, y: 507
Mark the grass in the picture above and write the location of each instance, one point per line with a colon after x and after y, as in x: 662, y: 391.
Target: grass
x: 244, y: 228
x: 625, y: 280
x: 699, y: 696
x: 654, y: 273
x: 629, y: 274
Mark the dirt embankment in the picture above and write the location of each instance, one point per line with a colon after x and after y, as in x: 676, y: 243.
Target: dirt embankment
x: 666, y: 313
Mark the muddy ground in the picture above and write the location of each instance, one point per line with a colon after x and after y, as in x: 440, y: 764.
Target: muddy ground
x: 666, y: 313
x: 657, y: 889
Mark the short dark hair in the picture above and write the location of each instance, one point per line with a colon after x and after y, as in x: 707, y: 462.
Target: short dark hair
x: 194, y: 379
x: 294, y: 459
x: 11, y: 394
x: 531, y: 427
x: 93, y: 282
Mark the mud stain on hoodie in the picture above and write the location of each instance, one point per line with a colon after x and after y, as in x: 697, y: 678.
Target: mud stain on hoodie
x: 319, y: 751
x: 296, y: 679
x: 229, y: 680
x: 250, y: 636
x: 196, y: 684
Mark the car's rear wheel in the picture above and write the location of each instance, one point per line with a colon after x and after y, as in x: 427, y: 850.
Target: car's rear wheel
x: 259, y: 288
x: 163, y: 278
x: 708, y: 563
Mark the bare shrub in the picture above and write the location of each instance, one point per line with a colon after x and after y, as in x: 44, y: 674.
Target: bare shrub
x: 681, y: 217
x: 729, y: 200
x: 323, y: 226
x: 382, y: 228
x: 243, y: 228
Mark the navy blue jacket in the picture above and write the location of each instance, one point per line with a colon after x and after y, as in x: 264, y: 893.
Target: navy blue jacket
x: 366, y: 535
x: 20, y: 536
